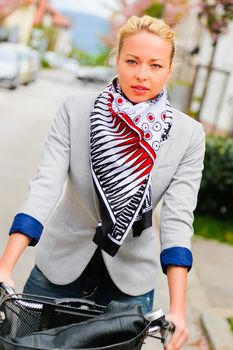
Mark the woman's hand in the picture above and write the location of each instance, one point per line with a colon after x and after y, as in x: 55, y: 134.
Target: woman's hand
x: 5, y: 276
x: 180, y: 335
x: 15, y: 246
x: 177, y: 278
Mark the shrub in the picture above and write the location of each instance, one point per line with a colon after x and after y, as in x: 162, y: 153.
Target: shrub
x: 213, y: 228
x: 230, y: 320
x: 216, y: 192
x: 88, y: 59
x: 45, y: 64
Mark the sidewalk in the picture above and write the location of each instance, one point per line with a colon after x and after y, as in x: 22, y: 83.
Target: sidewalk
x: 209, y: 297
x: 214, y: 266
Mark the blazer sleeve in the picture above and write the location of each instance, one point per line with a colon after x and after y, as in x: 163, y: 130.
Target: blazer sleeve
x: 179, y: 202
x: 46, y: 186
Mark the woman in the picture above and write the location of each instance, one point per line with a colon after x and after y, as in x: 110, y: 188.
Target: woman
x: 119, y: 153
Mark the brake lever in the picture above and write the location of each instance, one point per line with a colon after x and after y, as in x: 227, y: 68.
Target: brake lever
x: 167, y: 332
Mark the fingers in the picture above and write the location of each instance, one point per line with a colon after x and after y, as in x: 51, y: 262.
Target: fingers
x: 6, y: 279
x: 178, y: 339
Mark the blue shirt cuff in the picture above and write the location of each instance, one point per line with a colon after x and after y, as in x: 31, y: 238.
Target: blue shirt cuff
x: 176, y: 256
x: 28, y: 226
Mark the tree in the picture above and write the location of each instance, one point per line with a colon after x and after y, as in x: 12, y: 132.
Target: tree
x: 172, y: 11
x: 214, y: 15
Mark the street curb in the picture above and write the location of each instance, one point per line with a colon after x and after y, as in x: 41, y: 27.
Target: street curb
x: 214, y: 322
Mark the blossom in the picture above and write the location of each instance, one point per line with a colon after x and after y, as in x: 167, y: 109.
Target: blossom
x: 172, y: 11
x: 215, y: 15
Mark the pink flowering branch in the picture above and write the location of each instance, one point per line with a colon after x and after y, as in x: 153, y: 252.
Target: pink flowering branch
x: 172, y: 11
x: 215, y: 15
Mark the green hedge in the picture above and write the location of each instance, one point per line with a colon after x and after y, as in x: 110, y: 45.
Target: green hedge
x: 213, y: 228
x: 216, y: 192
x: 87, y: 59
x: 230, y: 320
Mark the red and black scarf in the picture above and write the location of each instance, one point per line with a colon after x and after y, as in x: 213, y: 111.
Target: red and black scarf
x: 124, y: 141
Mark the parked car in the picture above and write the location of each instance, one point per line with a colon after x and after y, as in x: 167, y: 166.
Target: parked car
x: 28, y: 67
x: 34, y: 66
x: 99, y: 74
x: 58, y: 61
x: 71, y: 65
x: 9, y: 67
x: 19, y: 64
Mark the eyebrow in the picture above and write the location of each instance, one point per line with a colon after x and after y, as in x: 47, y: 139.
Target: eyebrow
x: 138, y: 58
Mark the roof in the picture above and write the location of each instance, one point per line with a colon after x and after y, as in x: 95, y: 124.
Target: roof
x: 8, y: 6
x: 58, y: 19
x: 43, y: 7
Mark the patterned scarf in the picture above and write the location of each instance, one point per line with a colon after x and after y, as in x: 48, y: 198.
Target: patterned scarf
x: 124, y: 141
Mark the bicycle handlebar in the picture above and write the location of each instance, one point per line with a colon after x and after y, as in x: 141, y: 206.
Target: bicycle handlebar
x: 156, y: 318
x: 8, y: 290
x: 159, y: 324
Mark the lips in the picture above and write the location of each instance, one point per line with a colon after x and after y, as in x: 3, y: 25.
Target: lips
x: 139, y: 90
x: 140, y: 87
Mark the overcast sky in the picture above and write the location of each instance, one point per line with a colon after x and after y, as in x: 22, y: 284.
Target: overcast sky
x: 95, y: 7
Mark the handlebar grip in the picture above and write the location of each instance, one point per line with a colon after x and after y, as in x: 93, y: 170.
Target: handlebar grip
x: 8, y: 290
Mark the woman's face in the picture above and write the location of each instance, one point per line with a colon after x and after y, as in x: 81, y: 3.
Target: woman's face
x: 144, y: 65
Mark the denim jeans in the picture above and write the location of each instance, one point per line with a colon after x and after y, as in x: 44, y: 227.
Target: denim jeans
x: 89, y: 287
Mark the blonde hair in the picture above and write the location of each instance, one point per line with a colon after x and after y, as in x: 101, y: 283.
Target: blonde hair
x: 145, y: 23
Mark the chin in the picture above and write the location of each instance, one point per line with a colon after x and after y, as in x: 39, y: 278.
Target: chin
x: 138, y: 99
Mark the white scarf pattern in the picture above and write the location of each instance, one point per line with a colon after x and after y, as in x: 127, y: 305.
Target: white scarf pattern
x: 124, y: 141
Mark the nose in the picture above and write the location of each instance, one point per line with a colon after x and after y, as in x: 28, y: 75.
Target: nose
x: 142, y: 72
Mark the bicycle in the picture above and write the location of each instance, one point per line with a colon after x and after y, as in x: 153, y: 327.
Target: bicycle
x: 34, y: 322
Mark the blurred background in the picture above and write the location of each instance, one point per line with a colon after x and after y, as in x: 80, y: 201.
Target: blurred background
x: 50, y: 49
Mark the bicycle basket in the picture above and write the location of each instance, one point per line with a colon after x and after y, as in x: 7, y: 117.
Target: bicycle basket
x: 22, y: 314
x: 28, y: 323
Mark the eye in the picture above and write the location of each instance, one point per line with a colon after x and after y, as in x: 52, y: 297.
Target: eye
x: 131, y: 61
x: 156, y: 66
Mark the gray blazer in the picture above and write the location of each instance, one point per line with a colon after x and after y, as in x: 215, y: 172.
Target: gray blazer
x: 62, y: 197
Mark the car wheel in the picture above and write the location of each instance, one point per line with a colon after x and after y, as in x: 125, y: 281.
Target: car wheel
x: 14, y: 84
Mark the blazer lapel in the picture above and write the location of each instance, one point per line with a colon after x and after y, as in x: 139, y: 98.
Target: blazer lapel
x: 161, y: 155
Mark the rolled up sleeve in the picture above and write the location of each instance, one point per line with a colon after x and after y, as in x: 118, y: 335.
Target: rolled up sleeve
x: 28, y: 226
x: 177, y: 256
